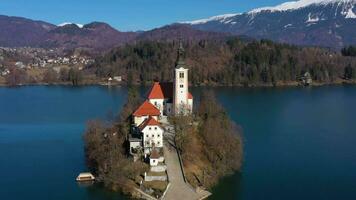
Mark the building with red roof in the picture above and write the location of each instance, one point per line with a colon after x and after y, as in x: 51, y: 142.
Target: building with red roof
x: 152, y: 132
x: 172, y: 98
x: 143, y: 112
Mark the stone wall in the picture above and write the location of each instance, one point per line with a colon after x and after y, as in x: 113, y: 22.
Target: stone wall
x: 155, y: 178
x: 160, y: 168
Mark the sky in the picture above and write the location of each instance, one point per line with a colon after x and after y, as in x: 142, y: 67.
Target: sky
x: 127, y: 15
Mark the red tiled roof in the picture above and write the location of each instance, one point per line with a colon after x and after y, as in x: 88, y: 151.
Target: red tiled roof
x: 156, y: 92
x: 149, y: 122
x: 161, y: 91
x: 147, y: 109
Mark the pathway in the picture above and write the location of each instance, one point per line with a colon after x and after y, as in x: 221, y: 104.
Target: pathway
x: 178, y: 189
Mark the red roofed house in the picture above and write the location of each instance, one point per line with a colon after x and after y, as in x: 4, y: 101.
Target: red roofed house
x: 152, y: 134
x: 148, y: 135
x: 144, y: 112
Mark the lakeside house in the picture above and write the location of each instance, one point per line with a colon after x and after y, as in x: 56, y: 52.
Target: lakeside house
x: 306, y: 79
x: 163, y: 99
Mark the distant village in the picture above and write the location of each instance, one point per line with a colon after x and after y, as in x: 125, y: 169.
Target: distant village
x: 29, y: 58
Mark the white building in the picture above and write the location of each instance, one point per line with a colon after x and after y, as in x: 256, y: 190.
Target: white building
x: 152, y: 133
x: 154, y: 158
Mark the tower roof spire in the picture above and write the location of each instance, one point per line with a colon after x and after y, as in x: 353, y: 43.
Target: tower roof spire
x: 181, y: 54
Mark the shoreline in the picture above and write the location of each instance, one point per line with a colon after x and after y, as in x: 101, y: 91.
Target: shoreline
x: 278, y: 85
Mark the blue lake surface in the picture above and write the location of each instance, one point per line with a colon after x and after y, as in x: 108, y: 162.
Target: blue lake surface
x: 299, y: 143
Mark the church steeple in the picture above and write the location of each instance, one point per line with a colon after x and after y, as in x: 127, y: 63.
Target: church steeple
x: 180, y: 55
x: 181, y: 102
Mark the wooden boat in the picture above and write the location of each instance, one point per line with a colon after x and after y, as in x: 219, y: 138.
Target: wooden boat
x: 86, y: 176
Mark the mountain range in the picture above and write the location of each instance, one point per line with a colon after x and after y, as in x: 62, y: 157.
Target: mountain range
x: 326, y: 23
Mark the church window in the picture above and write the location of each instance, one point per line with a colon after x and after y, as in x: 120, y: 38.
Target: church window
x: 158, y: 143
x: 146, y: 135
x: 181, y: 75
x: 153, y: 135
x: 149, y: 128
x: 181, y: 86
x: 155, y: 128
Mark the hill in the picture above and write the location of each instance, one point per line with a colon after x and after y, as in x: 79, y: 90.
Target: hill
x: 226, y: 62
x: 20, y: 32
x: 96, y: 35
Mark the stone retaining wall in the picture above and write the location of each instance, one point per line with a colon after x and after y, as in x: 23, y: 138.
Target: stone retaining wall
x: 155, y: 178
x: 159, y: 168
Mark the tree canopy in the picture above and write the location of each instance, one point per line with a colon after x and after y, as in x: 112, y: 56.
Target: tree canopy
x: 231, y: 62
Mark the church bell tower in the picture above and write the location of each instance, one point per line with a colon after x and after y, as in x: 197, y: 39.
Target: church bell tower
x: 180, y: 83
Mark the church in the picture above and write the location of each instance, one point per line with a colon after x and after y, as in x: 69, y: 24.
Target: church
x: 163, y: 99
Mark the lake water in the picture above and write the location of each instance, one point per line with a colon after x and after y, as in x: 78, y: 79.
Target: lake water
x: 299, y: 142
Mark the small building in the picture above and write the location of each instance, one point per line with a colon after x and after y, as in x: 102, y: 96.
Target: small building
x: 144, y: 112
x: 5, y: 72
x: 152, y: 134
x: 20, y: 65
x: 148, y: 135
x: 154, y: 158
x: 306, y: 79
x: 135, y: 141
x: 117, y: 78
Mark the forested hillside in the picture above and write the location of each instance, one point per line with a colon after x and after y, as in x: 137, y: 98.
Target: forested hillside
x: 227, y: 62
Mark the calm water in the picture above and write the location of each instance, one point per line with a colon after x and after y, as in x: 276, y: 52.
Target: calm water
x: 299, y: 143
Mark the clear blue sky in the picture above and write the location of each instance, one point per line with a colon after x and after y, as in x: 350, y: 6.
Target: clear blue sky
x: 126, y: 14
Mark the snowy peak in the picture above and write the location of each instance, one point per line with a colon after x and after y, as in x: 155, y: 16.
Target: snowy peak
x: 70, y: 23
x: 346, y: 6
x: 349, y: 13
x: 226, y: 19
x: 294, y: 5
x: 329, y: 23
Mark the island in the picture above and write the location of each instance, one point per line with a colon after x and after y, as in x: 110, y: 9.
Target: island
x: 161, y: 146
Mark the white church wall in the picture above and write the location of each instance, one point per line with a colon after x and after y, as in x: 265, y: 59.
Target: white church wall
x: 190, y: 105
x: 180, y: 89
x: 139, y: 119
x: 158, y: 103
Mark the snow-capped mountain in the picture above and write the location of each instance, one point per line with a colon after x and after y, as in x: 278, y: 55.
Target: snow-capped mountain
x: 221, y: 18
x: 69, y: 23
x: 330, y: 23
